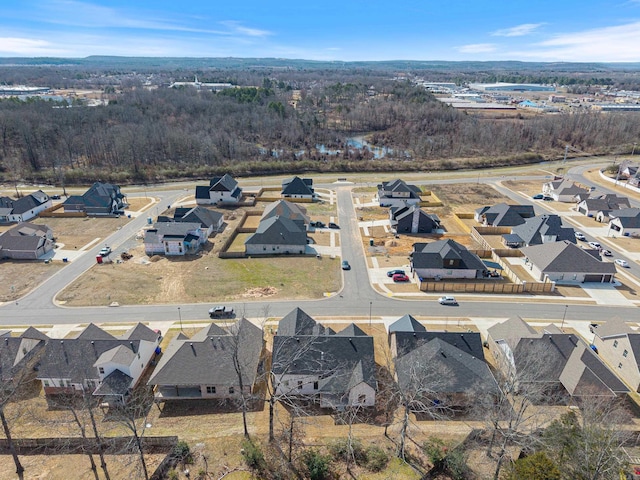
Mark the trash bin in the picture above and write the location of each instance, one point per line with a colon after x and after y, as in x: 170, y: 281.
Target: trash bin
x: 65, y: 259
x: 98, y: 259
x: 371, y: 242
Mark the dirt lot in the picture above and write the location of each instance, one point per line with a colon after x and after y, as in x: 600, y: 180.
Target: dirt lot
x: 528, y: 187
x: 466, y: 197
x: 17, y: 278
x: 627, y: 243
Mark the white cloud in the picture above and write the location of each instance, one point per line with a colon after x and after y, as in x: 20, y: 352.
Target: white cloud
x: 477, y: 48
x: 236, y: 27
x: 28, y: 47
x: 517, y: 31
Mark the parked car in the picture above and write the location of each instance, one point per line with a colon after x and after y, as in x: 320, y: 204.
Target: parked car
x: 547, y: 199
x: 539, y: 196
x: 595, y: 245
x: 400, y: 277
x: 621, y: 262
x: 345, y: 265
x: 333, y: 225
x: 446, y: 300
x: 606, y: 253
x: 581, y: 237
x: 105, y: 251
x: 592, y: 327
x: 221, y: 311
x: 320, y: 224
x: 55, y: 197
x: 391, y: 273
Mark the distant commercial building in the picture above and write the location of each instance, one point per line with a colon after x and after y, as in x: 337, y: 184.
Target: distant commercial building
x: 618, y: 107
x: 22, y: 90
x: 511, y: 87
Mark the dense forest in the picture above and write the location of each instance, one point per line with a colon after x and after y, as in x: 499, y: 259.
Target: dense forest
x: 275, y: 120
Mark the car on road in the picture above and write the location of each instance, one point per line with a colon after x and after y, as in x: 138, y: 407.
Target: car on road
x: 539, y: 196
x: 581, y: 237
x: 595, y: 245
x: 400, y: 277
x: 105, y: 251
x: 345, y: 265
x: 621, y: 262
x: 334, y: 225
x: 221, y: 311
x: 547, y: 199
x: 606, y: 253
x: 446, y: 300
x: 55, y: 197
x: 391, y: 273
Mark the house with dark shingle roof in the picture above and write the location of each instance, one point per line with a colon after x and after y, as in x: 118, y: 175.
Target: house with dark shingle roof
x: 398, y: 193
x: 602, y: 203
x: 294, y: 212
x: 625, y: 222
x: 276, y: 236
x: 26, y: 241
x: 412, y: 219
x: 539, y: 230
x: 24, y: 208
x: 445, y: 259
x: 566, y: 262
x: 174, y: 238
x: 337, y: 370
x: 619, y: 345
x: 563, y: 190
x: 558, y: 361
x: 503, y: 215
x: 406, y: 323
x: 297, y: 187
x: 210, y: 220
x: 221, y: 190
x: 18, y: 359
x: 206, y: 365
x: 97, y: 362
x: 100, y: 199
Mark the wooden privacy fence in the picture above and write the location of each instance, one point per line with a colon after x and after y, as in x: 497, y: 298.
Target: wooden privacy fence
x: 487, y: 287
x: 75, y: 445
x: 52, y: 212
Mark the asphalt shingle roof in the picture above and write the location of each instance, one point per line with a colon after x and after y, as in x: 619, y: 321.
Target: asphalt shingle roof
x: 534, y: 229
x: 277, y: 231
x: 435, y: 254
x: 297, y: 186
x: 565, y: 257
x: 501, y: 214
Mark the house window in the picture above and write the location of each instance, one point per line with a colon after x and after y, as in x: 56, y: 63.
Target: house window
x: 451, y: 262
x: 315, y: 385
x: 45, y: 383
x: 101, y: 370
x: 231, y: 390
x: 211, y: 389
x: 620, y: 365
x: 615, y: 344
x: 625, y: 353
x: 299, y: 384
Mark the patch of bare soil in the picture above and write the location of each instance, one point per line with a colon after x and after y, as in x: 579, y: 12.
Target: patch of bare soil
x: 260, y: 292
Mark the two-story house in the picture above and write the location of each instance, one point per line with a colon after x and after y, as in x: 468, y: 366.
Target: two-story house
x: 174, y: 238
x: 619, y: 345
x: 99, y: 199
x: 221, y: 190
x: 397, y: 193
x: 24, y: 208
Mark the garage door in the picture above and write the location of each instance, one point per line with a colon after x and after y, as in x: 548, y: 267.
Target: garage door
x: 593, y: 278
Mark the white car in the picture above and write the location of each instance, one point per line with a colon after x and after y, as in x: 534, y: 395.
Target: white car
x: 595, y: 245
x: 580, y: 236
x: 606, y: 253
x: 621, y: 262
x: 447, y: 300
x: 105, y: 251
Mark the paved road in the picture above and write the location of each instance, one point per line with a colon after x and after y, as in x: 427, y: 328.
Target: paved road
x: 356, y: 299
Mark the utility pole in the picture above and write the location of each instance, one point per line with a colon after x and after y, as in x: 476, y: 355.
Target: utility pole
x: 370, y: 304
x: 566, y: 151
x: 180, y: 318
x: 564, y: 315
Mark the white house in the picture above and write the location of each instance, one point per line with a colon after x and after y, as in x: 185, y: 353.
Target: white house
x: 24, y: 208
x: 221, y: 190
x: 397, y: 193
x: 563, y: 190
x: 174, y: 238
x: 625, y: 222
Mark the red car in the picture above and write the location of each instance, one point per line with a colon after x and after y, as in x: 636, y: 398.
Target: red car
x: 400, y: 277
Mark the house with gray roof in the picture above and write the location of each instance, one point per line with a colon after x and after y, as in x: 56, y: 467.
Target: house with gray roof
x: 276, y: 236
x: 299, y: 322
x: 558, y: 362
x: 97, y: 362
x: 503, y: 215
x: 619, y: 345
x: 625, y: 222
x: 217, y: 363
x: 335, y: 370
x: 99, y: 200
x: 412, y: 219
x: 174, y: 238
x: 445, y: 259
x: 26, y: 241
x: 210, y: 220
x: 297, y: 187
x: 563, y: 190
x: 222, y: 190
x: 19, y: 357
x: 24, y: 208
x: 397, y: 193
x: 566, y: 262
x: 602, y: 203
x: 282, y: 208
x: 406, y: 323
x: 539, y: 230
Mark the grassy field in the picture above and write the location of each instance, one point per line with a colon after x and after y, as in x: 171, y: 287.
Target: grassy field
x: 17, y: 278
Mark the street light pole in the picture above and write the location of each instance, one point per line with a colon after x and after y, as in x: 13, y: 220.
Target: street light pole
x: 370, y: 303
x: 564, y: 315
x: 180, y: 317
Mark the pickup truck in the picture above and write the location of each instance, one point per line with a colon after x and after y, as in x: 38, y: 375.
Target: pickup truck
x: 221, y: 312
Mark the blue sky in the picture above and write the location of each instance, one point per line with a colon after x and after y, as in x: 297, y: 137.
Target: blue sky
x: 533, y: 30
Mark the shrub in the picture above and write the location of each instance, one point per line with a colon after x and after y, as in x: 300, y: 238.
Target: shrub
x: 377, y: 458
x: 455, y: 464
x: 182, y: 452
x: 173, y: 475
x: 317, y: 465
x: 340, y: 451
x: 252, y: 455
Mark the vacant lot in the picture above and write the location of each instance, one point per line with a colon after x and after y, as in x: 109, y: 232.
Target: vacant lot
x: 76, y: 233
x: 466, y: 197
x: 17, y: 278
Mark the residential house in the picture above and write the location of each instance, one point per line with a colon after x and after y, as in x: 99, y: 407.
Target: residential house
x: 541, y: 229
x: 503, y: 215
x: 563, y: 190
x: 556, y: 361
x: 398, y: 193
x: 445, y: 259
x: 24, y: 208
x: 174, y: 238
x: 602, y: 203
x: 566, y: 262
x: 406, y: 323
x: 276, y: 236
x: 97, y: 362
x: 628, y: 171
x: 412, y: 219
x: 297, y: 187
x: 19, y: 357
x: 210, y: 220
x: 221, y: 190
x: 26, y: 241
x: 294, y: 212
x: 619, y: 345
x: 208, y: 365
x: 625, y: 222
x: 100, y: 199
x: 337, y: 370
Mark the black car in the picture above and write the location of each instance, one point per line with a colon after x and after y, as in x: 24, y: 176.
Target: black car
x: 319, y: 225
x: 391, y: 273
x: 333, y: 225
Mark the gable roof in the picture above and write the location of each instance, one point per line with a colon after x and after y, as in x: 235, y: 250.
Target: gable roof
x: 298, y: 322
x: 566, y: 257
x: 34, y: 333
x: 202, y: 191
x: 277, y: 231
x: 282, y: 208
x: 605, y: 202
x: 116, y: 383
x: 198, y: 214
x: 297, y: 186
x: 435, y: 254
x: 93, y: 332
x: 400, y: 186
x: 351, y: 330
x: 120, y: 355
x: 14, y: 354
x: 407, y: 215
x: 226, y: 183
x: 502, y: 214
x: 140, y: 332
x: 25, y: 203
x: 468, y: 342
x: 210, y: 330
x: 534, y: 229
x: 567, y: 187
x: 614, y: 327
x: 585, y: 375
x: 406, y: 323
x: 511, y: 331
x: 627, y: 217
